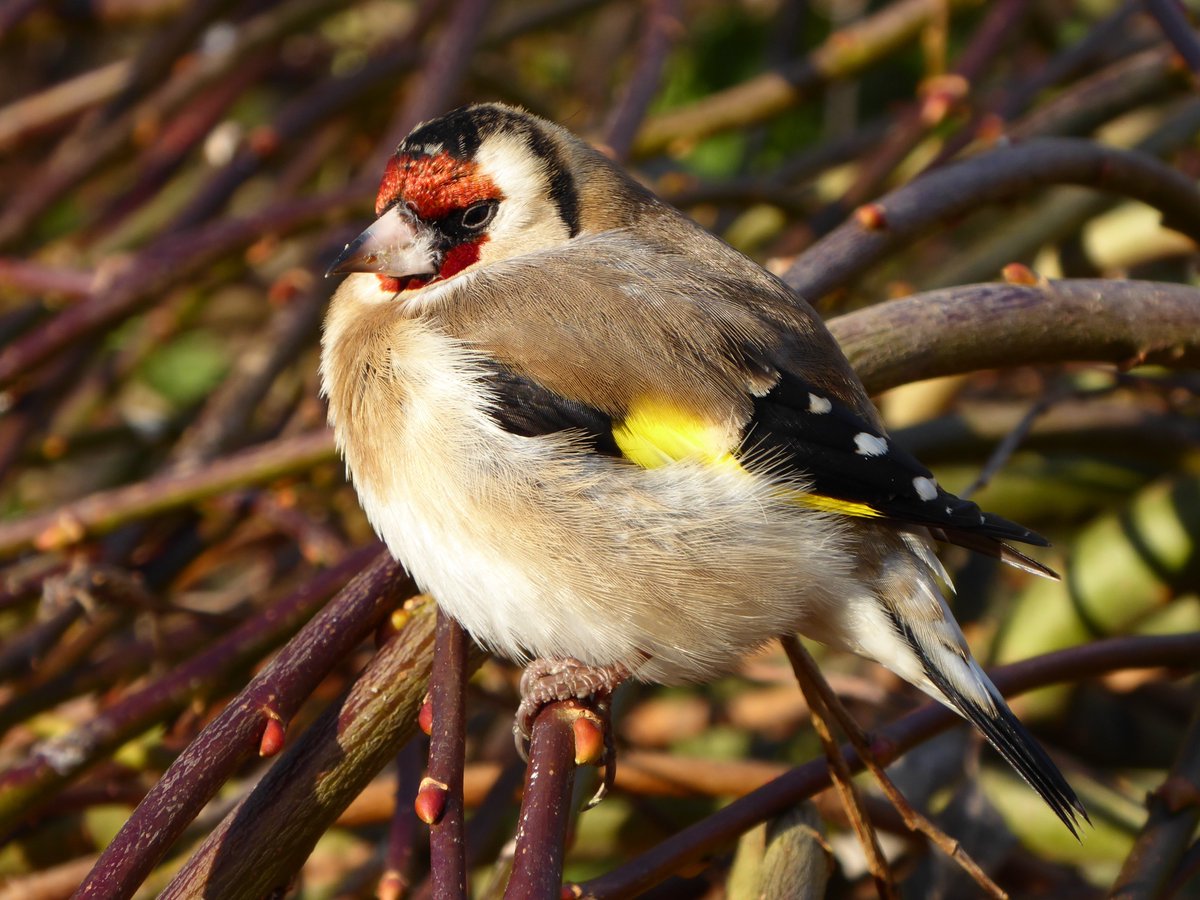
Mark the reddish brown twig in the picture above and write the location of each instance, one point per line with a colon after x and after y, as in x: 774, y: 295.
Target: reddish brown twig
x: 224, y: 421
x: 156, y: 57
x: 318, y: 776
x: 171, y: 147
x: 127, y: 659
x: 55, y: 762
x: 662, y: 28
x: 67, y: 596
x: 1170, y: 827
x: 545, y: 805
x: 941, y: 97
x: 816, y: 693
x: 695, y: 841
x: 816, y: 688
x: 442, y: 75
x: 159, y: 266
x: 102, y: 512
x: 98, y: 141
x: 999, y: 176
x: 400, y: 854
x: 233, y: 735
x: 39, y: 279
x: 447, y: 749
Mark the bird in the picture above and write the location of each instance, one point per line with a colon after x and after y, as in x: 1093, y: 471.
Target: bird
x: 612, y: 446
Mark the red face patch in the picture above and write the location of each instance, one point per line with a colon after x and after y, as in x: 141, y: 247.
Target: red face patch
x: 394, y: 285
x: 433, y: 186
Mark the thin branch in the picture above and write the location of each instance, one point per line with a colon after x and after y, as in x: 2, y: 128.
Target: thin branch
x: 229, y: 410
x: 198, y: 773
x: 816, y: 688
x: 89, y: 148
x: 447, y: 754
x: 662, y: 28
x: 843, y: 54
x: 696, y: 841
x: 1174, y: 23
x: 82, y: 589
x: 318, y: 776
x: 1170, y: 827
x: 128, y: 660
x: 155, y: 58
x: 159, y: 266
x: 1005, y: 174
x: 297, y: 122
x: 1160, y: 439
x: 173, y: 145
x: 441, y: 77
x: 104, y: 511
x: 400, y: 855
x: 839, y: 772
x: 35, y: 278
x: 1090, y: 102
x: 24, y: 787
x: 1013, y: 439
x: 1001, y: 24
x: 545, y: 806
x: 60, y: 102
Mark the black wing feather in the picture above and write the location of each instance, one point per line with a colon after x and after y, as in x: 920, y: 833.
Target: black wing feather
x: 525, y: 407
x: 823, y: 438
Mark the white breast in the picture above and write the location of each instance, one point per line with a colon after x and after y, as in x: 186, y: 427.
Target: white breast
x: 540, y: 547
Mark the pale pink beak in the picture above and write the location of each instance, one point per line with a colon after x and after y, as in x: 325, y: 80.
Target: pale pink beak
x: 396, y: 244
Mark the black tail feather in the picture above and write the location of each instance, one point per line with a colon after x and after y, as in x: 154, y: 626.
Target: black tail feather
x: 1012, y: 741
x: 1021, y: 750
x: 1004, y: 732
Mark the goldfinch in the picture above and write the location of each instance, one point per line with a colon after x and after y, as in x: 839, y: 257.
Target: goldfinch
x: 607, y: 442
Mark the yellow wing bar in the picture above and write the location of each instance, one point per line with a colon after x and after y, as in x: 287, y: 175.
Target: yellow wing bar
x: 655, y: 433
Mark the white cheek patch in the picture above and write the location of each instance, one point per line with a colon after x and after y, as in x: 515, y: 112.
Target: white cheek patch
x: 519, y: 175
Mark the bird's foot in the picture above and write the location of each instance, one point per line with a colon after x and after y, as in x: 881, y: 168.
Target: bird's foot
x: 547, y: 681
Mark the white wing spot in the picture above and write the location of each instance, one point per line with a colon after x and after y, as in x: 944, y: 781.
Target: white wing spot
x: 926, y: 487
x: 869, y: 445
x: 818, y: 405
x: 949, y: 510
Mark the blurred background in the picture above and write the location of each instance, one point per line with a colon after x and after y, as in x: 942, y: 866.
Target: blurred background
x: 174, y: 180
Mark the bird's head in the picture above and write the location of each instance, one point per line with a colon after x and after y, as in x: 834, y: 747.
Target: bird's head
x: 479, y: 184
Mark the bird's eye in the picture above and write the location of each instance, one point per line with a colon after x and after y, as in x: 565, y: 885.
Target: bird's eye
x: 478, y: 215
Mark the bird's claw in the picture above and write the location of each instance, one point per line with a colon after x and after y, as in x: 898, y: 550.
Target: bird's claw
x: 547, y: 681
